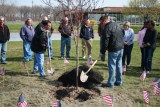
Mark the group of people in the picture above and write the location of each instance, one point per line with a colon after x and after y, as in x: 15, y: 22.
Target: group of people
x: 38, y: 40
x: 119, y: 43
x: 147, y: 43
x: 116, y: 39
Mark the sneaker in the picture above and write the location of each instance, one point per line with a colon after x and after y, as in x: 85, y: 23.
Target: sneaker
x: 61, y: 57
x: 147, y: 72
x: 3, y: 63
x: 90, y: 62
x: 124, y: 68
x: 68, y: 57
x: 34, y: 71
x: 84, y: 57
x: 30, y: 59
x: 117, y: 84
x: 52, y: 58
x: 109, y: 86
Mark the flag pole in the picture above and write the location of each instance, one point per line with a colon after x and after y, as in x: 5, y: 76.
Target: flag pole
x: 3, y: 80
x: 26, y: 68
x: 112, y: 98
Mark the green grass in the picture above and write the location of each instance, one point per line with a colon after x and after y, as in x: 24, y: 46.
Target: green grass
x: 15, y: 27
x: 38, y: 91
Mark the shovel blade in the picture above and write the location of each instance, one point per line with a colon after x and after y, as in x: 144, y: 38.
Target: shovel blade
x: 51, y: 71
x: 83, y: 77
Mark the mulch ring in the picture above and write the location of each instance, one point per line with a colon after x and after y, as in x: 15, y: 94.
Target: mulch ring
x: 86, y: 91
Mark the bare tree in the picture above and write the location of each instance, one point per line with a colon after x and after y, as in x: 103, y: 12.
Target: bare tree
x: 76, y: 10
x: 25, y: 12
x: 37, y: 12
x: 6, y: 8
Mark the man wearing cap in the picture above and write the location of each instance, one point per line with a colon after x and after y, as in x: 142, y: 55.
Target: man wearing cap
x: 112, y: 40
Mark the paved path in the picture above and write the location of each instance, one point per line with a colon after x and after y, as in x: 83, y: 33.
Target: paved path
x: 55, y: 36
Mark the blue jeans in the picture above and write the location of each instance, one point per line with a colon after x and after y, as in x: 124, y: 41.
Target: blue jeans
x: 148, y: 54
x: 142, y: 59
x: 127, y: 53
x: 3, y: 50
x: 65, y: 42
x: 115, y: 64
x: 27, y: 50
x: 50, y: 45
x: 39, y: 63
x: 103, y: 56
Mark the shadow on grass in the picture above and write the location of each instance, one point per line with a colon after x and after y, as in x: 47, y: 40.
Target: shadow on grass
x: 19, y: 73
x: 136, y: 71
x: 18, y: 59
x: 133, y: 71
x: 139, y: 101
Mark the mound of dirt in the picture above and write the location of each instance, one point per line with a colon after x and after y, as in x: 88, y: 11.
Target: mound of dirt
x: 69, y: 78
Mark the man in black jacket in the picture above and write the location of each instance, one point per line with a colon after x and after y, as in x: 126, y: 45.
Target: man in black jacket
x: 112, y: 40
x: 4, y: 37
x: 49, y: 34
x: 39, y: 45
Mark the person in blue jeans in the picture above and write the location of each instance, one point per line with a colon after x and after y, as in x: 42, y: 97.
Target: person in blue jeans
x: 49, y: 35
x: 149, y: 44
x: 65, y: 29
x: 4, y: 38
x: 128, y: 40
x: 26, y: 34
x: 112, y: 40
x: 39, y: 45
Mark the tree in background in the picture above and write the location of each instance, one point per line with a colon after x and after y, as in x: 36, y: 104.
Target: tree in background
x: 145, y: 8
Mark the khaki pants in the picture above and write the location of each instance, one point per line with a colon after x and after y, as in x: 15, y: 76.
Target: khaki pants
x: 86, y: 44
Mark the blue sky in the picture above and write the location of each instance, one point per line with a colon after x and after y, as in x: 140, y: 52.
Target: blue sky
x: 110, y: 3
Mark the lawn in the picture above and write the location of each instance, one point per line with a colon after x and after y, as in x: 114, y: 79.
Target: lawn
x: 38, y: 92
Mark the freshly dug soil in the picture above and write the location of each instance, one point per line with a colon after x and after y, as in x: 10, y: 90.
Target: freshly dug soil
x: 72, y: 94
x: 69, y: 78
x: 67, y: 91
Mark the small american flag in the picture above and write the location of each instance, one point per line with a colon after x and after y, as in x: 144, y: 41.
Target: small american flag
x: 156, y: 89
x: 66, y: 61
x: 108, y: 99
x: 143, y: 76
x: 21, y: 101
x: 146, y: 96
x: 154, y: 82
x: 56, y: 104
x: 2, y: 71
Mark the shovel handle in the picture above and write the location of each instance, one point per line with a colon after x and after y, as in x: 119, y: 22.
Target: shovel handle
x: 91, y: 66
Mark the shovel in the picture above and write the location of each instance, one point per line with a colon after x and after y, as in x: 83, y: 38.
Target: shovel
x: 51, y: 70
x: 83, y: 76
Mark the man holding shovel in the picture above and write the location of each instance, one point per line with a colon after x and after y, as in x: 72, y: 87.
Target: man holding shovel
x: 49, y: 35
x: 39, y: 45
x: 112, y: 40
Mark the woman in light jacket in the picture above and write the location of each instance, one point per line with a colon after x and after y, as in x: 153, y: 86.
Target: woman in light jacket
x: 128, y: 44
x: 141, y: 35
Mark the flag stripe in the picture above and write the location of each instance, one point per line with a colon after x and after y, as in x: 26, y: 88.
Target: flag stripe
x: 143, y: 76
x: 108, y: 99
x: 146, y: 96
